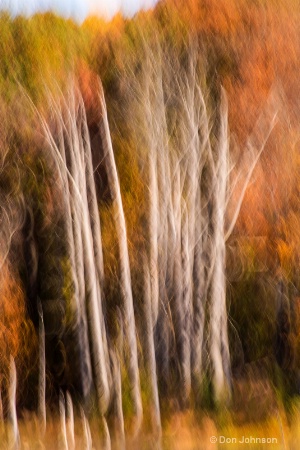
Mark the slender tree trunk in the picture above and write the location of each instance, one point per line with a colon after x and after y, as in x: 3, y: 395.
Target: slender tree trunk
x: 125, y: 276
x: 42, y: 374
x: 149, y: 352
x: 219, y: 347
x: 12, y: 426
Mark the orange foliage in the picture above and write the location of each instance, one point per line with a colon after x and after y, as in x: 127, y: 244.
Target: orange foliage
x: 251, y: 47
x: 88, y: 84
x: 17, y: 336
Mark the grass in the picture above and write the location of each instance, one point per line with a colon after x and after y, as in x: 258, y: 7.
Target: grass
x: 183, y: 431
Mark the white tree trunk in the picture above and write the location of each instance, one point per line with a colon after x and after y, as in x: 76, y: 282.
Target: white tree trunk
x: 125, y: 276
x: 219, y: 346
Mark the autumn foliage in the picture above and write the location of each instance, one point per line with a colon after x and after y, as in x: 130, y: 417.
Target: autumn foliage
x: 249, y: 48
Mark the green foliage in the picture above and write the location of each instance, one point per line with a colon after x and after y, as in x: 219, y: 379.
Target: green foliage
x: 36, y: 51
x: 252, y: 310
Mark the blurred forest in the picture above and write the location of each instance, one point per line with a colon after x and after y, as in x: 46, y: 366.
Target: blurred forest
x: 245, y: 50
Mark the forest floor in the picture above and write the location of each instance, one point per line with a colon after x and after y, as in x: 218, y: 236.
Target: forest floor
x: 182, y: 432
